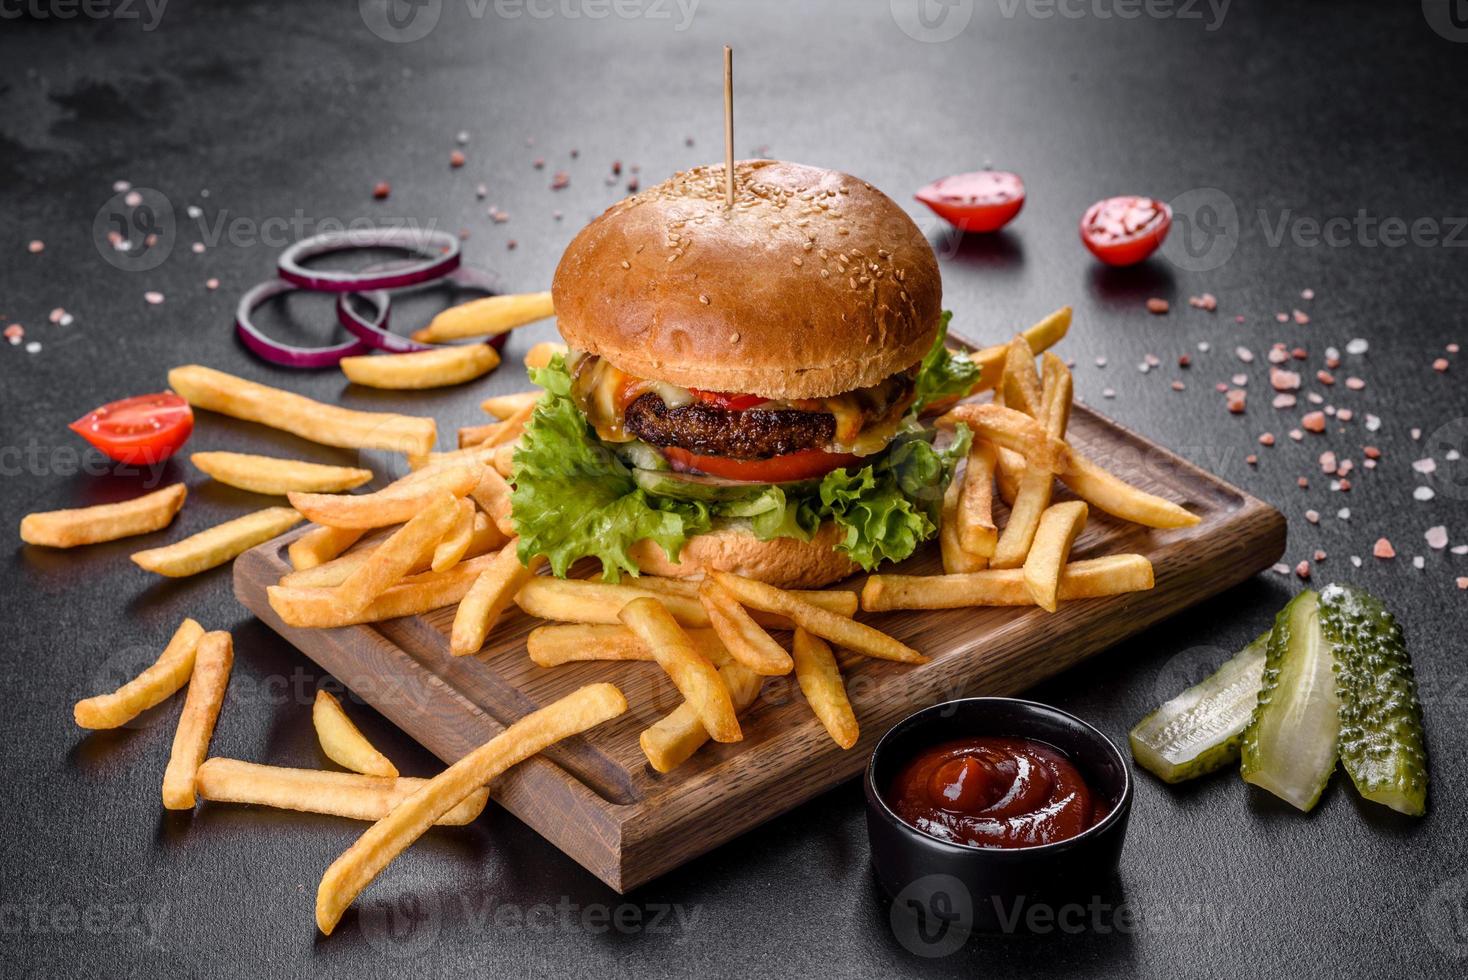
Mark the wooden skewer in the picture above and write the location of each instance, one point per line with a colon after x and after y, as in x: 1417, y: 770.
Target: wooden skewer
x: 728, y: 126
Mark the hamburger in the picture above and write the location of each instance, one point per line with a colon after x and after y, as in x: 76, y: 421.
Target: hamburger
x: 742, y: 385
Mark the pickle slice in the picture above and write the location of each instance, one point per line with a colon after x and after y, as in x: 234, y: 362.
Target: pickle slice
x: 1201, y: 730
x: 1290, y: 744
x: 1381, y: 731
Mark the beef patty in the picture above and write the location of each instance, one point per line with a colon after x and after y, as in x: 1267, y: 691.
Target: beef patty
x: 708, y: 430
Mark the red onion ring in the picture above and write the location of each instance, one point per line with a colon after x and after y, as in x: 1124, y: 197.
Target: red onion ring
x: 439, y: 249
x: 377, y: 334
x: 287, y: 354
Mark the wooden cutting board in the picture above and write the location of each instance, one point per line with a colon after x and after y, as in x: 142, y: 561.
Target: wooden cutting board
x: 596, y: 798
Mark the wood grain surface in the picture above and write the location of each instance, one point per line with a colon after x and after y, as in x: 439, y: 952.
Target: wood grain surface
x: 596, y: 798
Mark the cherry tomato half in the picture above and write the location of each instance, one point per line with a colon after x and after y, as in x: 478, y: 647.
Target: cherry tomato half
x: 803, y: 465
x: 1125, y: 230
x: 140, y: 431
x: 728, y: 401
x: 985, y: 200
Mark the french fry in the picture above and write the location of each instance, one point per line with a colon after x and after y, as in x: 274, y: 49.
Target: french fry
x: 474, y: 436
x: 1035, y: 487
x: 437, y: 368
x: 492, y: 494
x: 840, y: 630
x: 1010, y: 469
x: 955, y: 559
x: 321, y: 544
x: 690, y: 671
x: 395, y: 557
x: 486, y: 538
x: 820, y: 682
x: 974, y: 513
x: 456, y: 542
x: 336, y: 794
x: 329, y: 425
x: 467, y: 456
x: 1057, y: 393
x: 1007, y: 428
x: 269, y: 474
x: 577, y: 601
x: 156, y: 684
x: 218, y: 544
x: 1087, y: 579
x: 1021, y: 382
x: 504, y: 459
x: 393, y: 504
x: 492, y: 592
x: 207, y: 683
x: 677, y: 735
x: 390, y: 836
x: 1109, y: 493
x: 483, y: 317
x: 104, y: 522
x: 552, y: 646
x: 343, y: 742
x: 746, y: 640
x: 503, y: 406
x: 317, y: 607
x: 511, y: 428
x: 540, y: 355
x: 1059, y: 527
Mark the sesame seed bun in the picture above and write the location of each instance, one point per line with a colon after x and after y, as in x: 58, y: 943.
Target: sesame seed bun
x: 787, y: 563
x: 815, y: 284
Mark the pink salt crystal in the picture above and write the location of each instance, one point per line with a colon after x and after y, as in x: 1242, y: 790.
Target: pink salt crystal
x: 153, y: 296
x: 1312, y: 516
x: 1235, y: 400
x: 1303, y: 570
x: 1244, y: 354
x: 36, y: 246
x: 1440, y: 365
x: 1266, y: 439
x: 1325, y: 377
x: 1284, y: 401
x: 1282, y: 317
x: 1307, y: 294
x: 1463, y: 581
x: 1240, y: 380
x: 1301, y: 317
x: 1277, y: 354
x: 1300, y: 353
x: 1437, y: 537
x: 1302, y: 483
x: 1284, y: 380
x: 1355, y: 384
x: 1319, y: 555
x: 1296, y: 435
x: 1383, y: 549
x: 1220, y: 387
x: 1345, y: 414
x: 1327, y: 462
x: 1314, y: 421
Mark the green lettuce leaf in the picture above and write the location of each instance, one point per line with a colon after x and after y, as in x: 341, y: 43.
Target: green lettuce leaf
x: 943, y: 373
x: 575, y: 498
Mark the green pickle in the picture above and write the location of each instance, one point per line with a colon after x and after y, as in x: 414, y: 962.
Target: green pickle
x: 1381, y: 730
x: 1290, y: 745
x: 1201, y: 730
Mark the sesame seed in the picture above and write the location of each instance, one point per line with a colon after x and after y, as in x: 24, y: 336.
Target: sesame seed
x: 703, y: 299
x: 734, y: 338
x: 626, y: 264
x: 825, y: 273
x: 798, y: 260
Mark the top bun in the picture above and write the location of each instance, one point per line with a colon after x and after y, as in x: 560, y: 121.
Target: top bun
x: 815, y: 284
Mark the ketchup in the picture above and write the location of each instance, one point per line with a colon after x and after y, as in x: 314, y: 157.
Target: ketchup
x: 995, y: 792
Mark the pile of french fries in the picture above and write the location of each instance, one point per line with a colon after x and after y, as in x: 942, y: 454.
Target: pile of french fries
x: 1020, y: 449
x: 443, y: 536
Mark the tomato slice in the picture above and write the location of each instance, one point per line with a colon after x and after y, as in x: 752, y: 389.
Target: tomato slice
x: 142, y: 430
x: 982, y: 201
x: 803, y: 465
x: 1125, y: 230
x: 727, y: 400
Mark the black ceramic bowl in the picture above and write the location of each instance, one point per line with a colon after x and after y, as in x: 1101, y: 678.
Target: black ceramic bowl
x: 985, y: 887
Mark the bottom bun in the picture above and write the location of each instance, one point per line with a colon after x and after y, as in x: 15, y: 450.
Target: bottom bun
x: 787, y: 563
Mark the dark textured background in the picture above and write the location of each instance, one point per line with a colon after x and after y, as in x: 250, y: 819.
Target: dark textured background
x: 288, y: 113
